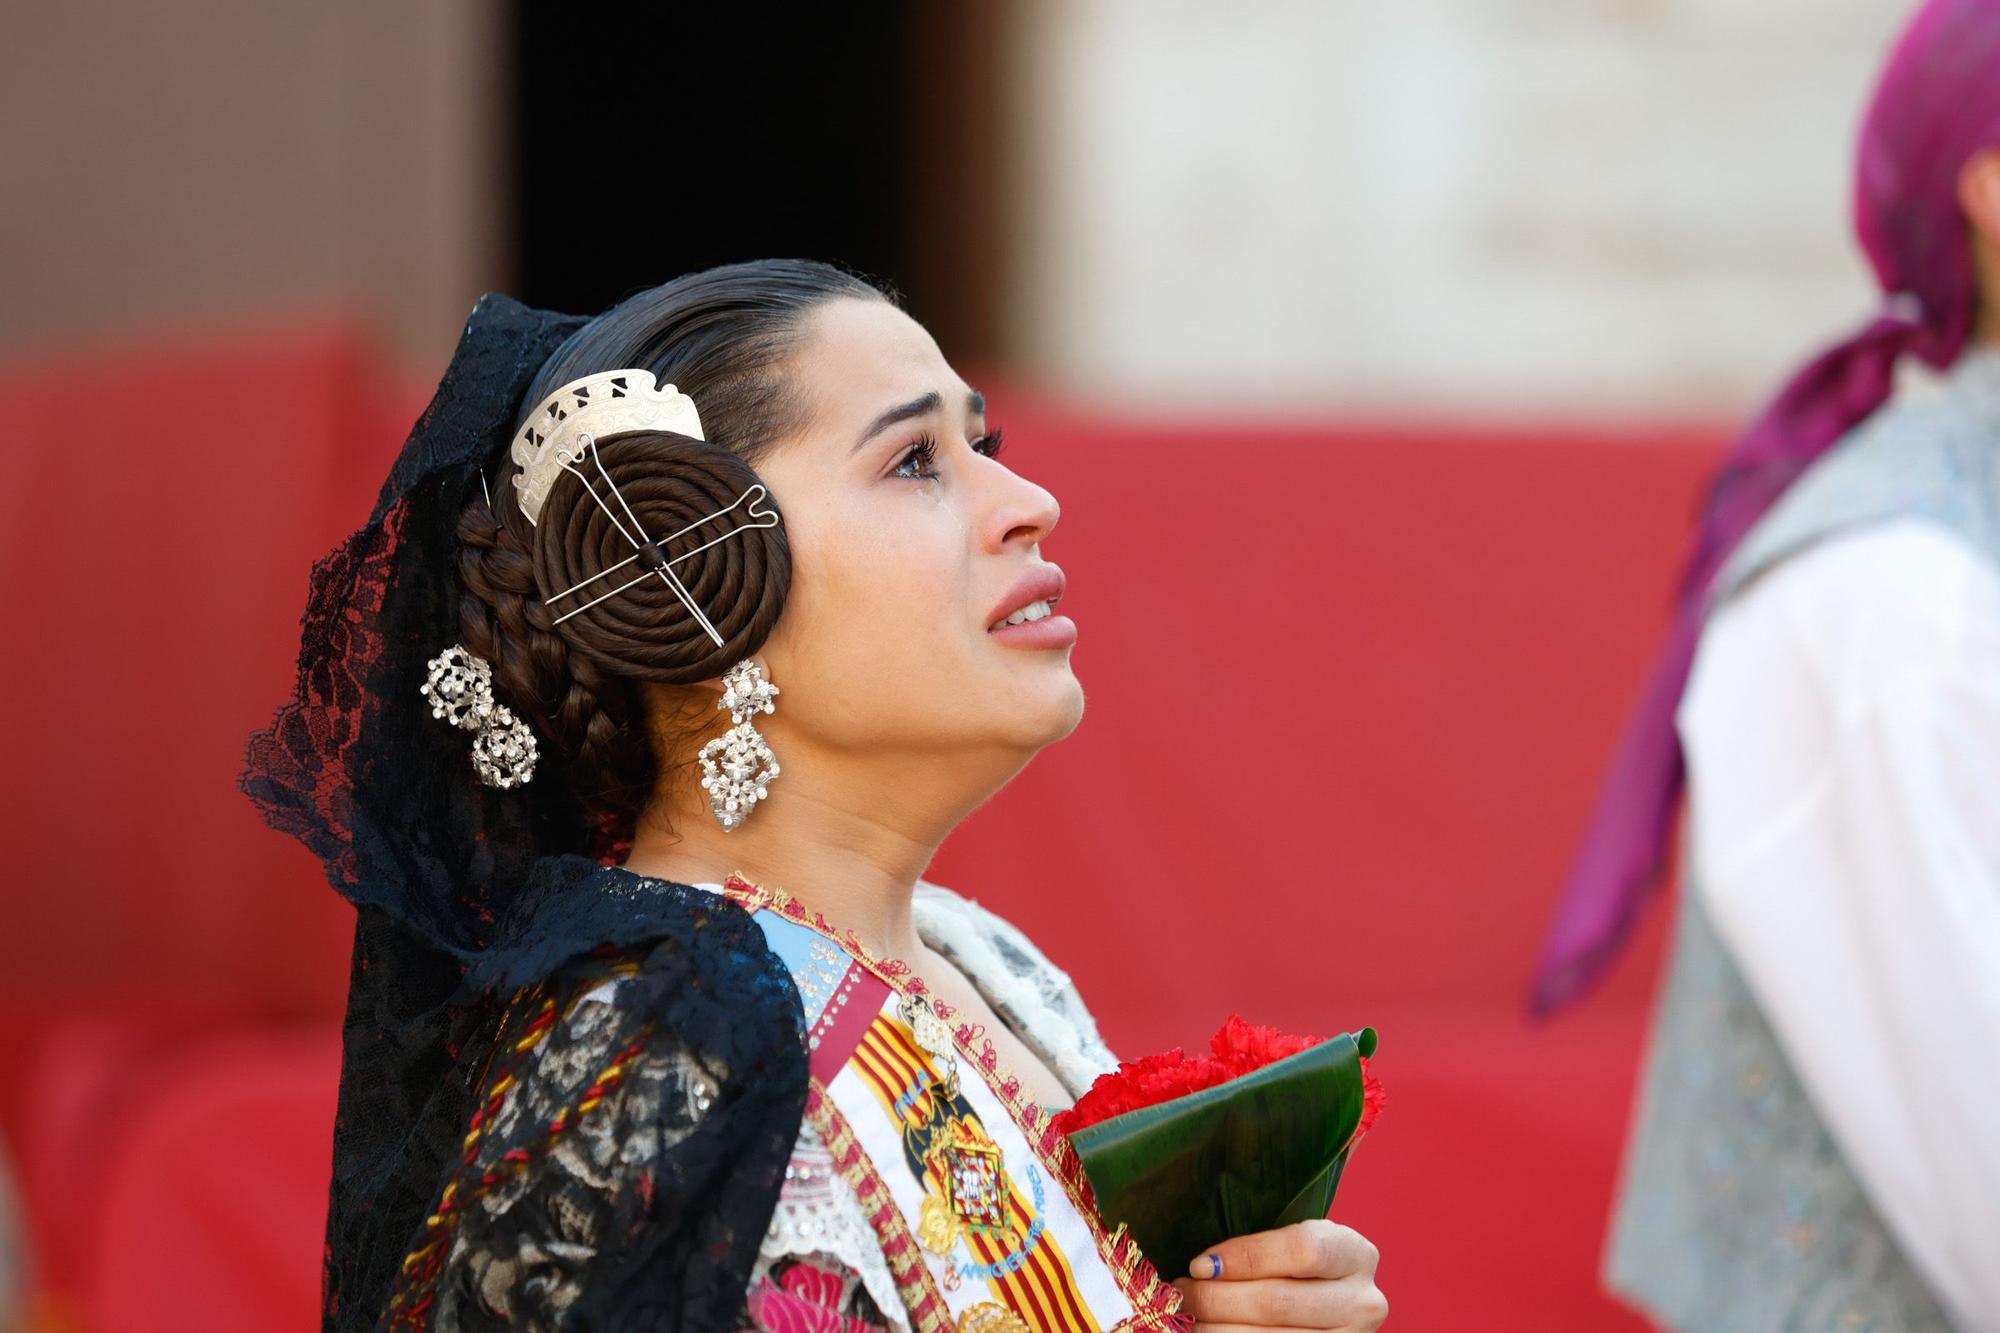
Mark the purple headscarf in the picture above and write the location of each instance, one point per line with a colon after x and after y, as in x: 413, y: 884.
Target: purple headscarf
x: 1938, y: 103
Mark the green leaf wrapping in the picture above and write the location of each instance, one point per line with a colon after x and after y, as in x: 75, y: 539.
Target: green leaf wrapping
x: 1262, y: 1150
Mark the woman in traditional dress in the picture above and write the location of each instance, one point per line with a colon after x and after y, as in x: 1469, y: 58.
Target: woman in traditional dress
x: 653, y: 1020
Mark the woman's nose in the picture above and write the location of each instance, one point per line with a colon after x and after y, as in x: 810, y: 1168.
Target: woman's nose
x: 1028, y: 515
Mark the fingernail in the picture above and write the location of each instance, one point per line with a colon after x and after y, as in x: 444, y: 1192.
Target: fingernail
x: 1214, y: 1262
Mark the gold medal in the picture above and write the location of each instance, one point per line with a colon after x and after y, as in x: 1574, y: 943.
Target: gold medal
x: 938, y: 1231
x: 932, y: 1033
x: 957, y: 1149
x: 991, y: 1317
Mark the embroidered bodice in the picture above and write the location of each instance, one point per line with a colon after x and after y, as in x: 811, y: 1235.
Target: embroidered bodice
x: 820, y: 1250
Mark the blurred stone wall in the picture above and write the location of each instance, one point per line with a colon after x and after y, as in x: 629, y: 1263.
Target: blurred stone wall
x: 1462, y: 205
x: 224, y: 160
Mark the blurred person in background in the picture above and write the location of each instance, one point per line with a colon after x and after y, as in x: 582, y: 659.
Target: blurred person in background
x: 1815, y: 1144
x: 582, y: 1014
x: 13, y: 1251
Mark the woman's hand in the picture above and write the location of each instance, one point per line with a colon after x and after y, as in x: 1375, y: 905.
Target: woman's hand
x: 1312, y: 1274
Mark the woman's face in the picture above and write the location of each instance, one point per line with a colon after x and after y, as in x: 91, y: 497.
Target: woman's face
x: 900, y: 557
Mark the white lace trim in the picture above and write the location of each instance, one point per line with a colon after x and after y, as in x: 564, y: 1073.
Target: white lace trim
x: 819, y: 1215
x: 962, y: 928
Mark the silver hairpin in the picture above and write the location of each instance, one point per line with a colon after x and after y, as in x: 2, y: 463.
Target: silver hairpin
x: 459, y: 689
x: 643, y: 546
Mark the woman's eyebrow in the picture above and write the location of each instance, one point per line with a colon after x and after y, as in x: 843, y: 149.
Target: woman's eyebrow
x: 916, y: 407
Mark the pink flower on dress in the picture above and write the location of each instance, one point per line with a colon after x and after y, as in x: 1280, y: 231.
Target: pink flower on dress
x: 808, y: 1301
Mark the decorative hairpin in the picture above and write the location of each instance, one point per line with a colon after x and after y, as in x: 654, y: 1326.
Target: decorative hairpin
x: 460, y: 690
x: 645, y: 551
x: 563, y: 431
x: 610, y: 402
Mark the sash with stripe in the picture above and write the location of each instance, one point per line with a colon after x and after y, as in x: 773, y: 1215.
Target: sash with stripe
x: 1040, y: 1260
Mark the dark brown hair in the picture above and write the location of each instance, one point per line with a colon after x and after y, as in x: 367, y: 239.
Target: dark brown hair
x: 722, y: 336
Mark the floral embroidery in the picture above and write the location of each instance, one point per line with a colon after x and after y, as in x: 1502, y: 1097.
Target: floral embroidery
x: 805, y: 1299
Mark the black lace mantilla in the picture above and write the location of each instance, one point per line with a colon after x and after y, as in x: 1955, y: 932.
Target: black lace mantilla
x: 354, y: 765
x: 476, y: 910
x: 582, y: 1163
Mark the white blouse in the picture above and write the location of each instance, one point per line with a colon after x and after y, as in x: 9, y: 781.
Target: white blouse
x: 1842, y: 732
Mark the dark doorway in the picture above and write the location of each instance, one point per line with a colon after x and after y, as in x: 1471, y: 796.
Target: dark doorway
x: 650, y: 140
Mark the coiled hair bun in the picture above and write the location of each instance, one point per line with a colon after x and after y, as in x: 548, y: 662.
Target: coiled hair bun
x: 645, y: 632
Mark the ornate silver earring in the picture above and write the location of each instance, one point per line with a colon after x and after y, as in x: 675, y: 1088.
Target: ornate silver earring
x: 742, y: 777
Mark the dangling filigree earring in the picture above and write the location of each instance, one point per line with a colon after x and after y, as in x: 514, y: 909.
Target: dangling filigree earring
x: 742, y: 778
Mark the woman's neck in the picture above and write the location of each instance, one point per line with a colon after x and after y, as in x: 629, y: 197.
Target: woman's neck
x: 847, y: 841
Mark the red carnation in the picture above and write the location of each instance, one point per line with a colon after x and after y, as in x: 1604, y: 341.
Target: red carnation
x: 1137, y: 1083
x: 1372, y: 1098
x: 1236, y: 1049
x: 1245, y: 1046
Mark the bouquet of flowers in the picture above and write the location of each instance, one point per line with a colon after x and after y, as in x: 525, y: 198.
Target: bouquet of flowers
x: 1188, y: 1150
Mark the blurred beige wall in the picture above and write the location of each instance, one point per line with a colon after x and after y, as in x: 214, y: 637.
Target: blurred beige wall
x: 1472, y: 205
x: 224, y: 160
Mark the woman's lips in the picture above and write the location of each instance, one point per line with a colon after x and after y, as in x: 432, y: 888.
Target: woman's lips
x: 1049, y: 632
x: 1042, y: 582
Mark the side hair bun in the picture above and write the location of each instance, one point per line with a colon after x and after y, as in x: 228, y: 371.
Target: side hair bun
x: 671, y: 484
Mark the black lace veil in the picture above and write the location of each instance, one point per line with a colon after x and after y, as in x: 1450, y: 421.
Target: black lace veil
x: 353, y: 765
x: 467, y: 894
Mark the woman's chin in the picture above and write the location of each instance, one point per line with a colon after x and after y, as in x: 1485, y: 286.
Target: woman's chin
x: 1060, y: 708
x: 1030, y: 709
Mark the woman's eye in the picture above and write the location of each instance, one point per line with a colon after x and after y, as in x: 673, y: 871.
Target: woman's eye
x: 923, y: 455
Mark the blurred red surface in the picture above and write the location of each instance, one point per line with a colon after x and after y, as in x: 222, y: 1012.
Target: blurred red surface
x: 1350, y: 689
